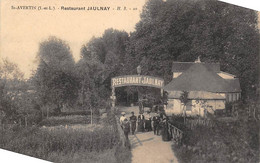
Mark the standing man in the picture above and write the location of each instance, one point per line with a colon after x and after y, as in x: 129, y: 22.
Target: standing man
x: 148, y: 124
x: 133, y: 120
x: 156, y: 123
x: 122, y: 118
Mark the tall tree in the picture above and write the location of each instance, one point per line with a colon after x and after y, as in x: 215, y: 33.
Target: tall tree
x: 182, y: 30
x: 55, y: 79
x: 11, y: 83
x: 103, y: 58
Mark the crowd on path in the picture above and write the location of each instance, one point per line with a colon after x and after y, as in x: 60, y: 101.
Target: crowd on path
x: 145, y: 123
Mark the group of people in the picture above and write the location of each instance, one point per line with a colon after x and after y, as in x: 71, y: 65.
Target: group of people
x: 143, y: 123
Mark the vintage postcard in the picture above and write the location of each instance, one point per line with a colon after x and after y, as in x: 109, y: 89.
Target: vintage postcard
x: 142, y: 81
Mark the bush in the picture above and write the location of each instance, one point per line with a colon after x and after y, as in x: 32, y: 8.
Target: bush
x: 68, y: 143
x: 56, y: 139
x: 235, y: 141
x: 50, y: 142
x: 67, y: 120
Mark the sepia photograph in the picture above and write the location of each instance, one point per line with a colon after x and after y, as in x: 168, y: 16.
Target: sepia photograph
x: 129, y: 81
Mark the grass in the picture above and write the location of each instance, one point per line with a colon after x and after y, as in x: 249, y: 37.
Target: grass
x: 40, y: 142
x: 122, y: 154
x: 229, y: 141
x: 71, y: 141
x: 83, y: 157
x: 69, y: 119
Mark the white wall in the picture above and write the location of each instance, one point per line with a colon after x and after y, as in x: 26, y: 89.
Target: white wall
x: 197, y: 107
x: 174, y: 107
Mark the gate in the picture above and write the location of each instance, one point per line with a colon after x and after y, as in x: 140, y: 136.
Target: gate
x: 135, y: 80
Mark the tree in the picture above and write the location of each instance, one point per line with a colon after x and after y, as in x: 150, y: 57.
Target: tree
x: 9, y: 70
x: 182, y: 30
x: 101, y: 59
x: 11, y: 84
x: 184, y: 100
x: 55, y: 80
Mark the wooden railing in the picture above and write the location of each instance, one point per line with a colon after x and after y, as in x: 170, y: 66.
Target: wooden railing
x: 175, y: 133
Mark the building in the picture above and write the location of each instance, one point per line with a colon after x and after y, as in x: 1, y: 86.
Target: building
x: 208, y: 88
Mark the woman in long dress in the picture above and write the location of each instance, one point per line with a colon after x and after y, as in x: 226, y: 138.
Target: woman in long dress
x: 164, y: 127
x: 140, y: 121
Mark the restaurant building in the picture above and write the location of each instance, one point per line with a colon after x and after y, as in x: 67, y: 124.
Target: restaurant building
x: 208, y: 88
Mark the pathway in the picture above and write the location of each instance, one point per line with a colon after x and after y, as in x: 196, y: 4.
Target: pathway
x: 149, y: 148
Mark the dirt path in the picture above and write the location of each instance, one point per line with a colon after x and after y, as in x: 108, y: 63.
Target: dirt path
x: 147, y: 147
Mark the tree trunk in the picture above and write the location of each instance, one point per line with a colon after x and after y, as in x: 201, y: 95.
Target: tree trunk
x: 254, y: 113
x: 184, y: 114
x: 20, y: 122
x: 91, y: 116
x: 25, y: 120
x: 199, y: 112
x: 47, y: 112
x: 42, y: 113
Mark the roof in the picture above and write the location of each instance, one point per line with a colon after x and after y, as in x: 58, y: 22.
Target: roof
x: 183, y: 66
x: 234, y: 85
x: 227, y: 74
x: 200, y: 78
x: 197, y: 95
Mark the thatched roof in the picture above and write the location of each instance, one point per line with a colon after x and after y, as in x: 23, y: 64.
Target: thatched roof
x: 201, y: 78
x: 234, y: 85
x: 184, y: 66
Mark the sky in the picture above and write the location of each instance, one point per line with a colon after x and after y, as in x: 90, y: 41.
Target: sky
x: 23, y: 29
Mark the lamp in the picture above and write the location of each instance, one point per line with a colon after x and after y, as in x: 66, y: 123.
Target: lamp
x: 138, y: 70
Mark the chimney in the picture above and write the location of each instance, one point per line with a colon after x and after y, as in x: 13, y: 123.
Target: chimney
x: 198, y: 60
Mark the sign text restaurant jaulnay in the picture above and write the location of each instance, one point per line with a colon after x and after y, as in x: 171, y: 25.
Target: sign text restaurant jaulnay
x: 139, y: 80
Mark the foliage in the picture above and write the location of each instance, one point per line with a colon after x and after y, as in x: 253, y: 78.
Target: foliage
x: 184, y: 100
x: 123, y: 154
x: 55, y: 142
x: 68, y: 143
x: 54, y: 80
x: 235, y: 141
x: 81, y: 157
x: 28, y: 109
x: 68, y: 120
x: 16, y: 103
x: 184, y: 97
x: 41, y: 142
x: 101, y: 59
x: 9, y: 70
x: 182, y: 30
x: 88, y: 73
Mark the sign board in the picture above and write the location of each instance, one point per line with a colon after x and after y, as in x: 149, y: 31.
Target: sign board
x: 138, y: 80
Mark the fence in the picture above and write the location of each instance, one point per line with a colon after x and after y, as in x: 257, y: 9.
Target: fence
x: 192, y: 123
x: 175, y: 133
